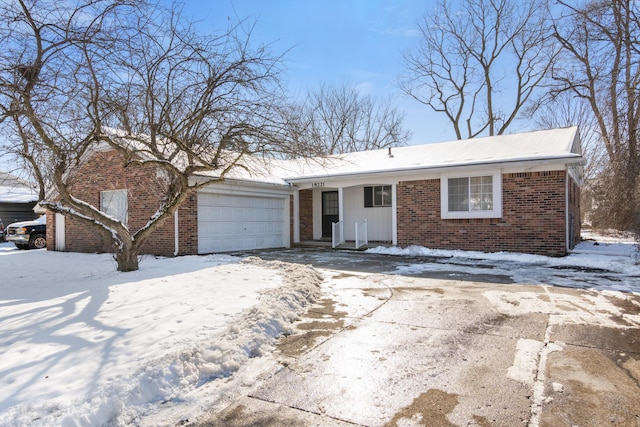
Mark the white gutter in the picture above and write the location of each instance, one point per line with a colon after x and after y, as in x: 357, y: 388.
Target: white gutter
x: 199, y: 179
x: 574, y: 159
x: 176, y: 233
x: 394, y: 215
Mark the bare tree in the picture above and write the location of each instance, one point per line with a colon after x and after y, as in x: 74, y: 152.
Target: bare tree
x: 601, y: 66
x: 139, y: 79
x: 480, y: 62
x: 337, y: 119
x: 562, y: 110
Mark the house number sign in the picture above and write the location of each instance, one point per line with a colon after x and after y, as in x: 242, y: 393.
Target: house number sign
x: 317, y: 184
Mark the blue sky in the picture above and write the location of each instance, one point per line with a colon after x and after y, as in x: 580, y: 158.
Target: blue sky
x: 359, y: 42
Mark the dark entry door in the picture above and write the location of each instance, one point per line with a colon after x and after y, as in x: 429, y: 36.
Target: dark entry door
x: 330, y: 213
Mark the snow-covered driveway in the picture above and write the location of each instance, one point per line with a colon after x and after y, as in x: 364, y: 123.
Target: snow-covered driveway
x: 601, y: 265
x: 397, y: 350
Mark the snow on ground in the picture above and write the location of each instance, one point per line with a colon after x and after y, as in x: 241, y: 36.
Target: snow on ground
x: 84, y: 345
x: 614, y: 258
x: 604, y: 253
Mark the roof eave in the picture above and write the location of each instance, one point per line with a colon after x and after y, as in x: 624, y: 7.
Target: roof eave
x: 205, y: 179
x: 572, y: 159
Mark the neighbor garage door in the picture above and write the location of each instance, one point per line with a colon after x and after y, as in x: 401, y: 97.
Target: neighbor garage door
x: 238, y: 222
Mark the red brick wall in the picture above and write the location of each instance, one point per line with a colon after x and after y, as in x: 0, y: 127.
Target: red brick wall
x: 107, y: 171
x: 533, y: 217
x: 187, y: 226
x: 306, y: 215
x: 51, y: 231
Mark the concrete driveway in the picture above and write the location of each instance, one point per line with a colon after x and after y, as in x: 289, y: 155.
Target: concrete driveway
x: 391, y: 350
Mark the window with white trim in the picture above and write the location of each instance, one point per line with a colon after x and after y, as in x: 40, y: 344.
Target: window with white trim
x: 471, y: 196
x: 115, y: 204
x: 377, y: 196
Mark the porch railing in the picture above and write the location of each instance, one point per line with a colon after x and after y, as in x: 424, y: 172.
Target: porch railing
x: 337, y: 233
x: 361, y: 234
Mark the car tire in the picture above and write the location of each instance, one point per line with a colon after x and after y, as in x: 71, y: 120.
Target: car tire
x: 38, y: 241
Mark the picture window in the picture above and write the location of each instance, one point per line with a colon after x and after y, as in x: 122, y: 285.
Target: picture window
x: 471, y: 194
x: 475, y: 196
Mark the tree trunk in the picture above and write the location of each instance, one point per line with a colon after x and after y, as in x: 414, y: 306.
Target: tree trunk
x: 127, y: 258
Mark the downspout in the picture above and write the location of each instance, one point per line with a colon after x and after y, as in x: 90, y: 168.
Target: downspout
x: 176, y: 233
x: 296, y: 216
x: 567, y: 227
x: 394, y: 214
x: 340, y: 205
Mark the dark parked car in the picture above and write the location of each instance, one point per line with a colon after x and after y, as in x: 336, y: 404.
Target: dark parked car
x: 28, y: 234
x: 1, y: 231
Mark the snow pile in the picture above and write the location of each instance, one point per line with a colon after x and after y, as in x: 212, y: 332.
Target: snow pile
x: 123, y: 382
x: 619, y: 256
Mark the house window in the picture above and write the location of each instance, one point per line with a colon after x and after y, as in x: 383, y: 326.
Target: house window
x: 115, y: 204
x: 476, y: 196
x: 376, y: 196
x: 471, y: 194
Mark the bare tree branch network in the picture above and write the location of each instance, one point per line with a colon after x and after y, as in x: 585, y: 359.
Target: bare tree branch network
x: 480, y: 63
x: 139, y: 79
x: 563, y: 110
x: 337, y: 118
x: 600, y: 66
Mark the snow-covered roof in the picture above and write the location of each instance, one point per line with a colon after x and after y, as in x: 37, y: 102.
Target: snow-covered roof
x: 17, y: 195
x: 254, y: 169
x: 15, y: 190
x: 248, y: 167
x: 555, y: 144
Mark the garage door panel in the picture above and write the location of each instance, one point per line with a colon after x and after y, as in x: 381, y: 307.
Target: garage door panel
x: 233, y: 222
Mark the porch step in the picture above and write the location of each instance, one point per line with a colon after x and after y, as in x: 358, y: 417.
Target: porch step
x: 344, y: 246
x: 314, y: 244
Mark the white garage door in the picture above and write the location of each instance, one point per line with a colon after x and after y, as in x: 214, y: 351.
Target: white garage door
x: 233, y: 222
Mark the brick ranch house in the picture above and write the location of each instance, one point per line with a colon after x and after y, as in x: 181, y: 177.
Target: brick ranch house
x: 517, y: 193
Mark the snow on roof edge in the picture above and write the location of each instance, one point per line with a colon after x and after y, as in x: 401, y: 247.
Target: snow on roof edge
x: 274, y: 172
x: 561, y: 144
x: 18, y: 195
x: 429, y: 168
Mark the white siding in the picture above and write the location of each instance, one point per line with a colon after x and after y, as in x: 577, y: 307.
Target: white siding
x: 379, y: 219
x: 317, y: 214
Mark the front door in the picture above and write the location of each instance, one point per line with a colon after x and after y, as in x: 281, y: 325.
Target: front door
x: 330, y: 211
